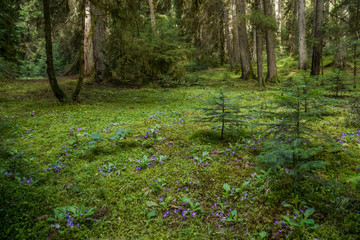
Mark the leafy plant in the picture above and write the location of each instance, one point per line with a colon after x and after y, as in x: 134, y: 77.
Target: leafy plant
x: 95, y: 138
x: 119, y: 135
x: 107, y: 168
x: 227, y: 191
x: 301, y: 218
x: 233, y: 217
x: 73, y: 215
x: 195, y: 206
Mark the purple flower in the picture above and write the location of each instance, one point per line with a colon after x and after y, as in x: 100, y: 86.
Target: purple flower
x: 193, y: 213
x: 175, y: 211
x: 183, y: 214
x: 161, y: 199
x: 151, y: 117
x: 78, y: 129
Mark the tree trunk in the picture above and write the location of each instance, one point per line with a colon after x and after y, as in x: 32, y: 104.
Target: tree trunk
x: 235, y: 34
x: 222, y: 41
x: 88, y: 47
x: 152, y: 13
x: 59, y: 94
x: 278, y: 18
x: 246, y: 68
x: 81, y: 52
x: 340, y: 53
x: 259, y: 48
x: 303, y: 64
x: 317, y: 47
x: 100, y: 59
x: 270, y: 46
x: 227, y: 36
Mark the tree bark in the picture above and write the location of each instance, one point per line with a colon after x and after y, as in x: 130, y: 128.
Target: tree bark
x: 278, y: 17
x: 102, y: 70
x: 81, y: 53
x: 152, y: 13
x: 259, y: 48
x: 59, y: 94
x: 88, y: 47
x: 270, y: 46
x: 236, y: 42
x: 246, y: 68
x: 317, y: 46
x: 222, y: 41
x: 340, y: 53
x: 227, y: 36
x: 303, y: 64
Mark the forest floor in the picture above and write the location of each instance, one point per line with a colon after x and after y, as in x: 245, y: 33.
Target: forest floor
x: 171, y: 176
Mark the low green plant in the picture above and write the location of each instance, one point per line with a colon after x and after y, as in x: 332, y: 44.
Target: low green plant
x: 194, y: 206
x: 233, y: 217
x: 74, y: 216
x: 95, y: 138
x: 301, y: 218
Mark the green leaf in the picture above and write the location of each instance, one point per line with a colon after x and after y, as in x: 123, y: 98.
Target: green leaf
x: 287, y: 205
x: 244, y: 184
x: 150, y: 204
x: 226, y: 187
x: 71, y: 209
x: 113, y: 137
x: 151, y: 214
x: 309, y: 221
x: 309, y: 212
x: 262, y: 234
x: 52, y: 219
x: 95, y: 136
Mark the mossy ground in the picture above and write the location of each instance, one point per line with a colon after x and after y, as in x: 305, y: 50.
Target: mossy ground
x: 37, y: 132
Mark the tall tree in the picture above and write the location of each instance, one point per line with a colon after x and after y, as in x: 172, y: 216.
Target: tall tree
x: 340, y: 53
x: 303, y: 64
x: 259, y: 47
x: 227, y: 35
x: 246, y: 68
x: 152, y: 13
x: 88, y: 47
x: 270, y: 45
x: 100, y: 59
x: 81, y: 52
x: 59, y: 94
x: 317, y: 35
x: 236, y: 42
x: 278, y: 17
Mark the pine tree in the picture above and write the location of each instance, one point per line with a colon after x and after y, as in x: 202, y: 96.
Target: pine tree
x: 220, y: 109
x: 292, y: 139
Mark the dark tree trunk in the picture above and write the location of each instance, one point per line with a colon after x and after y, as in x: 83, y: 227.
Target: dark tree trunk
x: 270, y: 46
x: 227, y: 36
x: 236, y: 42
x: 102, y: 70
x: 246, y: 68
x: 222, y: 41
x: 259, y: 48
x: 317, y: 47
x: 81, y: 53
x: 59, y: 94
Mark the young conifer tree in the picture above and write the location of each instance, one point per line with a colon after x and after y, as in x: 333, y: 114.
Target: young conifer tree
x: 293, y: 142
x: 221, y: 109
